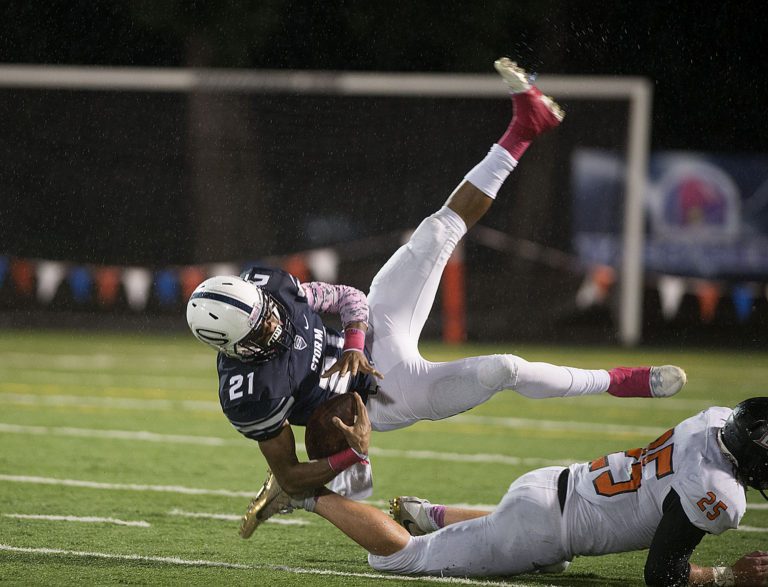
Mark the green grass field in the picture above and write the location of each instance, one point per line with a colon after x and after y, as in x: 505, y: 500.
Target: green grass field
x: 117, y: 466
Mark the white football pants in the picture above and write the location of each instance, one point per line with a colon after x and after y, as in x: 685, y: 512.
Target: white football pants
x: 413, y: 389
x: 523, y: 534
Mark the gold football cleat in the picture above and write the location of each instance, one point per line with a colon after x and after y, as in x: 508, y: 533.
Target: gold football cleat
x: 411, y: 514
x: 270, y: 500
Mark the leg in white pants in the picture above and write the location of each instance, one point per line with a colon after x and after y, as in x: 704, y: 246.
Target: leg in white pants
x: 404, y: 289
x: 413, y: 389
x: 523, y: 534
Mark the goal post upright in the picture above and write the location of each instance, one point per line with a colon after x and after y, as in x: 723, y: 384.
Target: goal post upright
x: 636, y: 90
x: 638, y: 148
x: 639, y: 92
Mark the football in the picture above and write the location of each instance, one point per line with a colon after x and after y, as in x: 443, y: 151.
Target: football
x: 322, y: 438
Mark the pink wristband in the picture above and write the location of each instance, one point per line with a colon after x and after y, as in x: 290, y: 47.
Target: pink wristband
x: 354, y: 340
x: 345, y: 459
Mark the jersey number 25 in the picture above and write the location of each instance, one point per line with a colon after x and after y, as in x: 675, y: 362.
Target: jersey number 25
x: 655, y: 453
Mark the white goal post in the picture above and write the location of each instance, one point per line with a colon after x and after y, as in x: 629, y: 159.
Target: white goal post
x: 636, y: 90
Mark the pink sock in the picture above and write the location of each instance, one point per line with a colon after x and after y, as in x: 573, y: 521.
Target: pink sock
x: 512, y: 142
x: 630, y: 382
x: 437, y: 515
x: 517, y: 138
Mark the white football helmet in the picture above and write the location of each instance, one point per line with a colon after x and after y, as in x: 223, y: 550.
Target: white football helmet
x: 229, y: 314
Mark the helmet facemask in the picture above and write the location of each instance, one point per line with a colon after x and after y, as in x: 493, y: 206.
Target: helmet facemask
x: 268, y: 335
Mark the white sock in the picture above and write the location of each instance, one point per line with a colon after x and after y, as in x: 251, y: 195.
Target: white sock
x: 490, y: 173
x: 588, y: 381
x: 304, y: 502
x: 542, y: 380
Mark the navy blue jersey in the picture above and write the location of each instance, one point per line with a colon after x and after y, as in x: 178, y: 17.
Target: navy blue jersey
x: 258, y: 398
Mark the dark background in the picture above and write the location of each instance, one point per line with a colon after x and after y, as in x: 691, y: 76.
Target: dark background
x: 246, y: 164
x: 707, y: 61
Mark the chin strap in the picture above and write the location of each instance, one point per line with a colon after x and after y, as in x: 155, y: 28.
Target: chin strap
x: 724, y: 449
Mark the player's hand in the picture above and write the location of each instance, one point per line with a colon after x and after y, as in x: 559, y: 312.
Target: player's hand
x: 351, y: 362
x: 359, y: 434
x: 752, y: 568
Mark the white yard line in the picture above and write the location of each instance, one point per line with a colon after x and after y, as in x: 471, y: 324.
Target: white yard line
x: 454, y: 457
x: 97, y: 380
x: 570, y: 426
x: 175, y: 489
x: 279, y: 568
x: 217, y: 441
x: 213, y: 406
x: 691, y: 406
x: 228, y: 517
x: 125, y: 486
x: 221, y: 492
x: 233, y: 518
x: 86, y: 519
x: 100, y: 361
x: 184, y: 491
x: 115, y: 434
x: 227, y: 493
x: 674, y: 404
x: 113, y: 403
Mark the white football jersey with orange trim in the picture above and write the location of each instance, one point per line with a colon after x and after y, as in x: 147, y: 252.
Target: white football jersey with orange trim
x: 615, y: 502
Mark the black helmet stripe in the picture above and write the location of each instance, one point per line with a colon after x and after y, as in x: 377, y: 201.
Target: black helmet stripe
x: 222, y: 298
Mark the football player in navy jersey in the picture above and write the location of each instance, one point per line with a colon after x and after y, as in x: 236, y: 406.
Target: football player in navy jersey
x: 664, y: 497
x: 278, y: 362
x: 253, y: 392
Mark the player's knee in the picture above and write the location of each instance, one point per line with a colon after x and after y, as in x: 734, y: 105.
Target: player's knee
x: 427, y: 236
x: 497, y: 372
x: 409, y: 559
x: 433, y: 232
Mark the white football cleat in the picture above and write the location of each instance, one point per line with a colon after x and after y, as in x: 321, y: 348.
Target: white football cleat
x: 667, y: 380
x: 535, y: 113
x: 515, y: 77
x: 411, y: 514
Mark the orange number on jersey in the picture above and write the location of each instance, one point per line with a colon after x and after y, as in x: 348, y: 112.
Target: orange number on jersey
x: 606, y: 485
x: 705, y: 502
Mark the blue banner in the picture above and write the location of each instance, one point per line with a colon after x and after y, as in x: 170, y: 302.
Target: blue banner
x: 706, y: 214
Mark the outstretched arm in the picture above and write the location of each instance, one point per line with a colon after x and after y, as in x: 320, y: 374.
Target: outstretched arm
x: 371, y: 528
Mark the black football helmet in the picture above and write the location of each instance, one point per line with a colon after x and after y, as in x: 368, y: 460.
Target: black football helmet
x: 745, y: 438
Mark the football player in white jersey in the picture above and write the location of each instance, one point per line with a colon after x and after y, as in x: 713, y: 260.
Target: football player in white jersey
x: 663, y: 497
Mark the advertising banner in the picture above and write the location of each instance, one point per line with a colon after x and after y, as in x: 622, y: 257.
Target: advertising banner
x: 706, y: 214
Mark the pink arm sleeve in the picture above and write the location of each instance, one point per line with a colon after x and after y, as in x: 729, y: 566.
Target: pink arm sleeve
x: 348, y: 302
